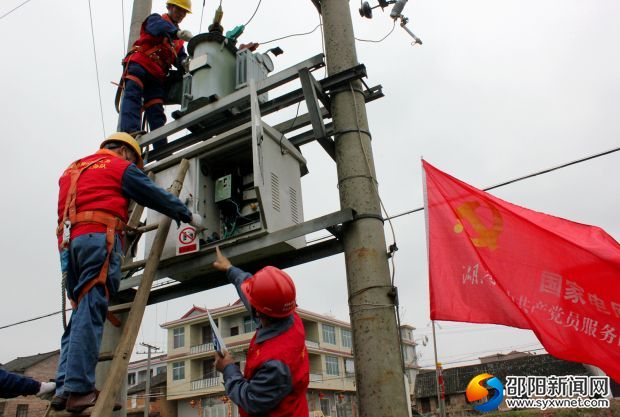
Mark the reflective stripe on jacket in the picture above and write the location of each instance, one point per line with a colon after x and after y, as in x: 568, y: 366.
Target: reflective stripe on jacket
x: 290, y: 349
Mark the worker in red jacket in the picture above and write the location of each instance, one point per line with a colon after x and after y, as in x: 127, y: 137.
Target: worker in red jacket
x: 275, y: 379
x: 92, y: 212
x: 159, y: 47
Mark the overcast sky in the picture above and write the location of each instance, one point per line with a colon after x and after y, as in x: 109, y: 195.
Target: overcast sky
x: 500, y: 89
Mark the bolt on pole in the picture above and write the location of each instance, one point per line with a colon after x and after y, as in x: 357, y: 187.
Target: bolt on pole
x: 376, y: 340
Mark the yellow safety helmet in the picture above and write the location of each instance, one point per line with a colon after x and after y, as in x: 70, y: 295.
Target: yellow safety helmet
x: 128, y: 140
x: 183, y: 4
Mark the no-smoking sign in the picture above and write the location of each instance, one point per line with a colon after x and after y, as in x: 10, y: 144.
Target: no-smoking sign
x: 186, y: 242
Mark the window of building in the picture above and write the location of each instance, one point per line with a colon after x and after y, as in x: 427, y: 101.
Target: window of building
x: 161, y: 370
x: 207, y: 335
x: 349, y: 366
x: 208, y: 368
x: 249, y: 325
x: 179, y: 337
x: 326, y: 406
x: 426, y: 405
x: 142, y: 375
x: 131, y: 379
x: 22, y: 410
x: 234, y: 331
x: 329, y: 334
x: 331, y: 365
x: 346, y: 337
x: 178, y: 371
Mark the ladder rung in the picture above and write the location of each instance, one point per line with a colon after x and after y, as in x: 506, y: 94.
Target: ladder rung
x: 106, y: 356
x: 147, y: 228
x: 120, y: 308
x: 65, y: 413
x: 133, y: 265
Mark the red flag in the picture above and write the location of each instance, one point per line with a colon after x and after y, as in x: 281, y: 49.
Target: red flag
x: 491, y: 261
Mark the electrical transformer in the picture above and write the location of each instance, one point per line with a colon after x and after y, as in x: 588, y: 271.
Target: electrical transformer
x: 217, y: 68
x: 243, y: 185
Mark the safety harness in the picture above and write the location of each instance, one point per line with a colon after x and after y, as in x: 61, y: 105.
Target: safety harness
x: 154, y: 53
x: 71, y: 218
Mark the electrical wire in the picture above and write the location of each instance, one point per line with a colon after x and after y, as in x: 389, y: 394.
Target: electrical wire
x: 382, y: 39
x: 534, y: 174
x: 13, y: 9
x: 292, y: 35
x: 123, y: 25
x: 92, y: 32
x: 322, y: 41
x: 374, y: 183
x: 432, y: 365
x: 202, y: 12
x: 545, y: 171
x: 253, y: 14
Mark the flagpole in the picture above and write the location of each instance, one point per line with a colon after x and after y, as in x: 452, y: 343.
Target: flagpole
x: 440, y: 404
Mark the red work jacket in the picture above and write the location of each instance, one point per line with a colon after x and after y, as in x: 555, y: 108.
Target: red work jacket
x: 155, y: 53
x: 98, y: 188
x: 289, y: 348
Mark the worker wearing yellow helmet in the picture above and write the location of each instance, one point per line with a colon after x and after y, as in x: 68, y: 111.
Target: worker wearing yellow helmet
x: 92, y: 213
x: 159, y: 47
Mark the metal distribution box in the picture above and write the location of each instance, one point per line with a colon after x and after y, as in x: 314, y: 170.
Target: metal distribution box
x: 242, y: 185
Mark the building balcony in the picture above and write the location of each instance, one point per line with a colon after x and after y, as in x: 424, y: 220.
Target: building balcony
x: 316, y: 377
x: 205, y: 347
x: 205, y: 383
x: 311, y: 344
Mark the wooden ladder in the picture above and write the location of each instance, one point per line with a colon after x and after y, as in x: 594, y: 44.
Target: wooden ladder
x: 119, y: 359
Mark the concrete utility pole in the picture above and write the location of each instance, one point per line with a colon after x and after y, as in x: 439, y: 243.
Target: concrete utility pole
x: 147, y: 389
x: 141, y: 10
x: 377, y: 351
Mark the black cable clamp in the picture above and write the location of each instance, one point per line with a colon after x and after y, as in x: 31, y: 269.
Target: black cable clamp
x: 392, y: 250
x: 344, y: 131
x: 368, y: 216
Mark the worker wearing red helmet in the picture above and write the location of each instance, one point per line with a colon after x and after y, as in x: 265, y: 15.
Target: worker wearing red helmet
x: 275, y: 379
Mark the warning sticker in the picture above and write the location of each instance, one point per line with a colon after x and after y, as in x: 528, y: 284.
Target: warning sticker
x: 186, y: 243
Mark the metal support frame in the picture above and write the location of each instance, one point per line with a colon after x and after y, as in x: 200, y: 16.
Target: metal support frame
x: 218, y: 117
x: 312, y: 91
x: 195, y: 272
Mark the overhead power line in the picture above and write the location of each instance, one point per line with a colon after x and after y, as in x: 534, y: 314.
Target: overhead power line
x: 544, y: 171
x: 32, y: 319
x: 290, y: 36
x: 253, y: 14
x: 13, y: 9
x: 380, y: 40
x: 92, y: 32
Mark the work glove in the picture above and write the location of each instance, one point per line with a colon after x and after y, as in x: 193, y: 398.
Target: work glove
x: 197, y: 222
x: 184, y: 34
x: 46, y: 388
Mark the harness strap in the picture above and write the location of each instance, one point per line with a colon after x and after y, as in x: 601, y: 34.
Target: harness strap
x: 112, y: 224
x: 70, y: 209
x: 152, y: 102
x: 134, y: 79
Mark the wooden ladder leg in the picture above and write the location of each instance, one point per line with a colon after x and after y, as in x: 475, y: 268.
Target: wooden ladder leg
x: 118, y: 367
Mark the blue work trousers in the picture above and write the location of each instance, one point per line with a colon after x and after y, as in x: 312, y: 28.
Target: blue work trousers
x: 79, y: 346
x: 133, y: 98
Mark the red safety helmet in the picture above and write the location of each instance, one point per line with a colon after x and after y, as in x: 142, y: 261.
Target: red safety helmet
x: 271, y: 291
